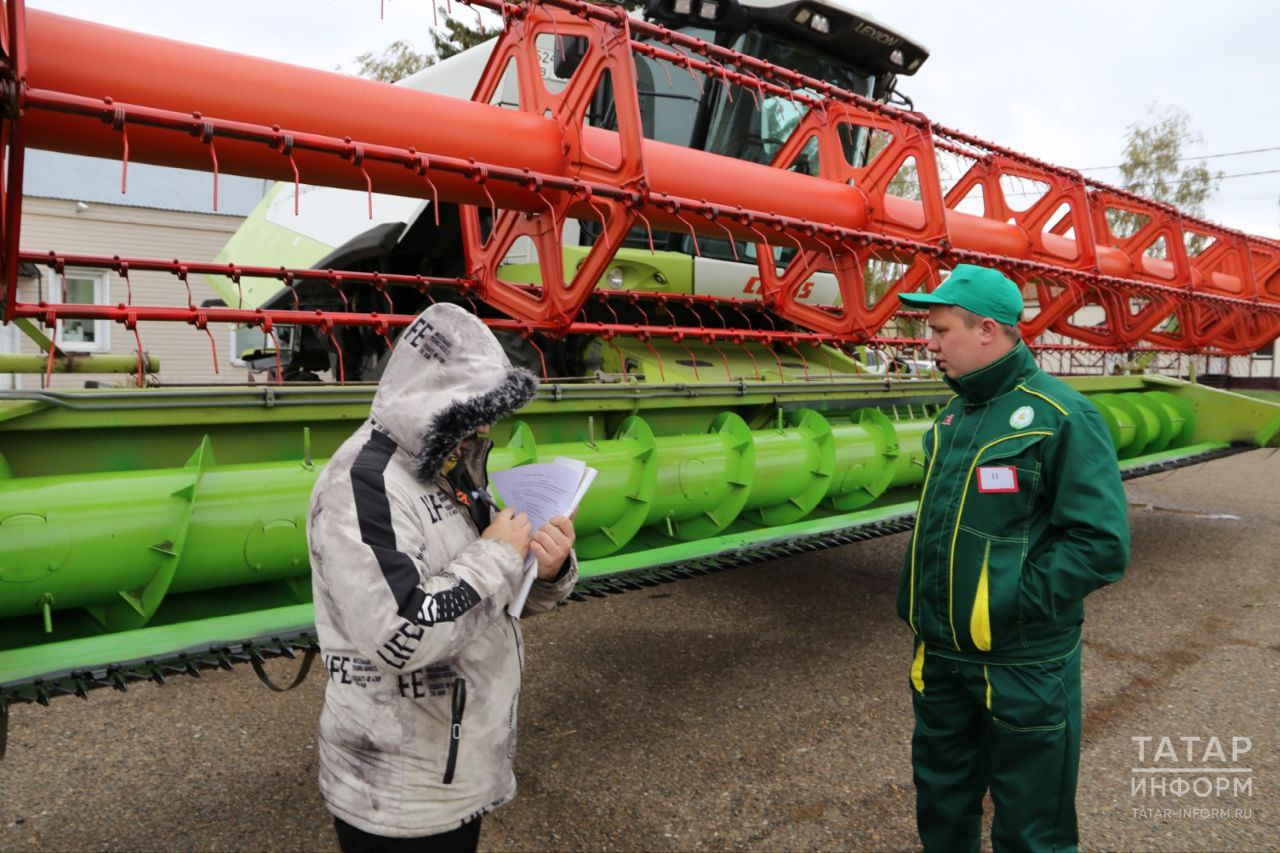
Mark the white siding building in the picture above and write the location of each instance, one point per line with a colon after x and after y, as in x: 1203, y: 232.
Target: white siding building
x: 73, y: 205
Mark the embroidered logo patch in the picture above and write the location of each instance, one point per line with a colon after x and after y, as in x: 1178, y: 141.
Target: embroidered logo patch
x: 997, y: 478
x: 1022, y: 417
x: 947, y: 420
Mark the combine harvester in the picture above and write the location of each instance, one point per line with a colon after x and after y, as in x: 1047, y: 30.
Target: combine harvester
x: 695, y: 232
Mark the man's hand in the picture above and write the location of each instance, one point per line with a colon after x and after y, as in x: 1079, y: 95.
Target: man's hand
x: 551, y: 546
x: 512, y: 529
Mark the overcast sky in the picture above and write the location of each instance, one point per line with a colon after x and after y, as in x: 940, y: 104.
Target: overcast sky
x: 1060, y: 81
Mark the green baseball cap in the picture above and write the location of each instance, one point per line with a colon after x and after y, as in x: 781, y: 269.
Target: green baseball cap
x: 984, y: 291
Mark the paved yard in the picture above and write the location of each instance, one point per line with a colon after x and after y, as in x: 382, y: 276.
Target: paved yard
x: 764, y: 708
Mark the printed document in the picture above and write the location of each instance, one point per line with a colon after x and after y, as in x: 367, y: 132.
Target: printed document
x: 542, y: 491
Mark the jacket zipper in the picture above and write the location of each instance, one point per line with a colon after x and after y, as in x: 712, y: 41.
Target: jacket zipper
x: 515, y: 631
x: 455, y: 727
x: 511, y: 712
x: 955, y: 534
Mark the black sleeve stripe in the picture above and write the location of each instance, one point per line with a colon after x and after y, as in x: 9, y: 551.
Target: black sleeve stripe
x: 373, y: 511
x: 447, y: 606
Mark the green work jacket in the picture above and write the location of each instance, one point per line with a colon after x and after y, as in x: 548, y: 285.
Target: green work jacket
x: 1022, y: 514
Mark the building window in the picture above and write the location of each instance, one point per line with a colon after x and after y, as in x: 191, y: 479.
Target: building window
x: 84, y: 287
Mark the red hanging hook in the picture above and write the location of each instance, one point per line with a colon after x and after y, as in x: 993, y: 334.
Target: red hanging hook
x: 678, y: 338
x: 381, y: 327
x: 326, y: 326
x: 122, y: 267
x: 710, y: 341
x: 285, y: 144
x: 51, y: 320
x: 265, y: 323
x: 423, y: 164
x: 381, y: 286
x: 673, y: 207
x: 336, y: 283
x: 710, y: 213
x: 201, y: 321
x: 286, y: 278
x: 480, y: 175
x: 204, y: 132
x: 804, y: 362
x: 180, y: 270
x: 604, y: 225
x: 622, y: 359
x: 777, y: 361
x: 356, y: 155
x: 662, y: 372
x: 233, y: 273
x: 118, y: 123
x: 131, y: 323
x: 60, y: 267
x: 527, y: 334
x: 755, y: 368
x: 831, y: 374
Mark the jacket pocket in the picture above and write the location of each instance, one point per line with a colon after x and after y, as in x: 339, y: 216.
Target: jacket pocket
x: 459, y: 706
x: 1001, y: 493
x: 993, y: 614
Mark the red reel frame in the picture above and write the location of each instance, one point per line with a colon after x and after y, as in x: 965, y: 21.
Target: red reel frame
x: 608, y: 55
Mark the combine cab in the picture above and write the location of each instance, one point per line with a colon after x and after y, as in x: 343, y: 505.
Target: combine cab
x: 693, y: 225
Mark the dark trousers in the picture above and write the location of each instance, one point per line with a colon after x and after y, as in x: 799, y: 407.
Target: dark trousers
x: 461, y: 840
x: 1014, y: 730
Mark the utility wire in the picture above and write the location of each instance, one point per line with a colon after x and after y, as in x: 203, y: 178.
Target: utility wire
x: 1138, y: 187
x: 1218, y: 177
x: 1193, y: 157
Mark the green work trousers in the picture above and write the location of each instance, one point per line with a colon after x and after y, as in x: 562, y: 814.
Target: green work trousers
x: 1012, y: 728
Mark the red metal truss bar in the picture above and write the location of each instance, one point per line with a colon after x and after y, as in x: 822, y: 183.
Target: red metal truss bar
x: 765, y: 71
x: 608, y: 57
x: 717, y: 56
x: 50, y: 312
x: 672, y: 210
x: 464, y: 172
x: 703, y: 212
x: 1042, y: 224
x: 60, y: 261
x: 234, y: 271
x: 468, y: 175
x: 12, y: 144
x: 474, y: 195
x: 198, y: 316
x: 271, y: 166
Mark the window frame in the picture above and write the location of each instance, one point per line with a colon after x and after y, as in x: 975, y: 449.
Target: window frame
x: 101, y: 296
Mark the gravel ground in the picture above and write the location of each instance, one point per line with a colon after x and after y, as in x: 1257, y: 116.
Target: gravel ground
x: 764, y: 708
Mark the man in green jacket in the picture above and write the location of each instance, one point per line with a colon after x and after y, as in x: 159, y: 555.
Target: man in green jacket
x: 1022, y: 515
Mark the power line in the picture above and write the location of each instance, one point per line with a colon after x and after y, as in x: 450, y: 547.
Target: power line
x: 1193, y: 157
x: 1219, y: 178
x: 1240, y: 199
x: 1138, y: 187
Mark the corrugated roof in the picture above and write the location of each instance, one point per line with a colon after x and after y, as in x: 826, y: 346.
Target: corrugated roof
x: 51, y: 174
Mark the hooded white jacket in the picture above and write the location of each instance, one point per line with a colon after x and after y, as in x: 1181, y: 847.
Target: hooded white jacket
x: 418, y: 730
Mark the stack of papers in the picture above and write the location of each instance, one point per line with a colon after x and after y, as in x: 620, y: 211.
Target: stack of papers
x: 542, y: 491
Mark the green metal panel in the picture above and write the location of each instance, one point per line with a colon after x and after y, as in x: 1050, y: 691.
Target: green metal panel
x: 656, y: 272
x: 123, y: 512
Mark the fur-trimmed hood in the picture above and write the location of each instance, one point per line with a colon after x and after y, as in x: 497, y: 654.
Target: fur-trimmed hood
x: 447, y: 376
